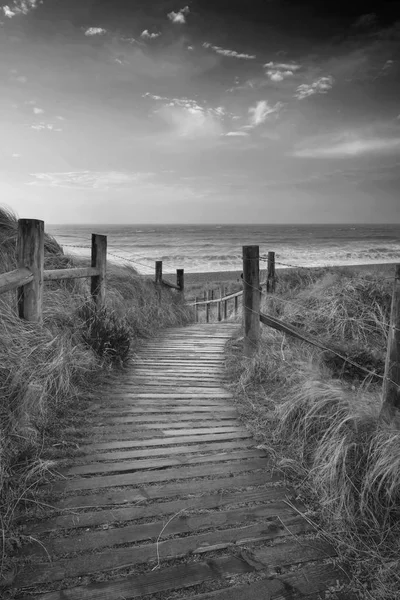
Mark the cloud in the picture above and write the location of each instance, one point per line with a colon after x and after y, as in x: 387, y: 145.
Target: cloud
x: 365, y: 21
x: 260, y: 112
x: 236, y: 134
x: 179, y: 17
x: 190, y: 120
x: 350, y: 144
x: 43, y: 125
x: 84, y: 180
x: 16, y: 155
x: 20, y: 7
x: 38, y: 111
x: 320, y: 86
x: 149, y: 36
x: 95, y: 31
x: 231, y: 53
x: 279, y: 71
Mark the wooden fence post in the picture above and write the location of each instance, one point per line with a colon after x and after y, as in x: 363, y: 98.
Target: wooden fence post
x: 220, y: 305
x: 251, y: 299
x: 207, y: 313
x: 99, y: 261
x: 271, y: 281
x: 180, y: 280
x: 196, y: 310
x: 158, y: 279
x: 391, y: 383
x: 225, y: 309
x: 30, y: 254
x: 236, y: 304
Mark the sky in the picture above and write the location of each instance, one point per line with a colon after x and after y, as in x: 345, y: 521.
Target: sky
x: 204, y: 111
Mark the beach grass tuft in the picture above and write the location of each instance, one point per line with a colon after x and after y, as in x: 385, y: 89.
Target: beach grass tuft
x: 318, y: 416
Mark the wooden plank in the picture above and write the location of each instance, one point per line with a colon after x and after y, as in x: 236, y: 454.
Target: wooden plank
x: 185, y: 394
x: 127, y: 556
x: 184, y: 409
x: 165, y: 442
x: 75, y: 273
x: 134, y: 496
x: 84, y: 541
x: 122, y: 515
x: 308, y: 582
x: 293, y: 552
x: 148, y: 433
x: 174, y: 425
x: 114, y: 405
x: 165, y: 417
x: 129, y: 466
x: 137, y: 586
x: 13, y: 279
x: 163, y: 451
x: 136, y: 479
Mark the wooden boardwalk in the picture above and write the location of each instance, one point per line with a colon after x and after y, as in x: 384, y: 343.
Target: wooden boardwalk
x: 171, y: 498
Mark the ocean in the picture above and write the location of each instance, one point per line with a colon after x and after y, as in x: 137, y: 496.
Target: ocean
x: 214, y: 248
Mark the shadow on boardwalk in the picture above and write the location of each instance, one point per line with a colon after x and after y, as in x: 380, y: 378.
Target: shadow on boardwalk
x: 171, y: 498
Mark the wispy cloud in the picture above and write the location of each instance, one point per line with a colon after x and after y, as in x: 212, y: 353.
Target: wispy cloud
x: 320, y: 86
x: 349, y: 144
x: 38, y: 111
x: 237, y: 134
x: 96, y: 180
x: 95, y: 31
x: 179, y: 17
x: 280, y: 71
x: 20, y: 7
x: 45, y: 126
x: 260, y: 112
x: 149, y: 36
x: 230, y: 53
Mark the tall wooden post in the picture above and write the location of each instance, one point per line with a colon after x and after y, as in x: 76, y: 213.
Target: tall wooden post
x: 99, y: 261
x: 220, y: 305
x: 207, y: 312
x: 205, y: 295
x: 225, y: 309
x: 251, y: 299
x: 30, y: 254
x: 391, y: 383
x: 196, y: 310
x: 271, y: 281
x: 236, y: 304
x: 180, y: 280
x: 158, y: 279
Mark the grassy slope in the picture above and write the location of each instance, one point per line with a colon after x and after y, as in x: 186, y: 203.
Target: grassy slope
x: 49, y: 373
x: 319, y: 418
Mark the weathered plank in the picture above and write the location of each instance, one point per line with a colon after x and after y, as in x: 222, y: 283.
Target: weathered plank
x: 116, y: 558
x: 154, y: 409
x: 309, y: 582
x: 168, y: 451
x: 166, y: 417
x: 148, y: 443
x: 272, y: 498
x: 136, y: 479
x: 135, y: 586
x: 117, y: 536
x: 129, y: 466
x: 134, y: 496
x: 175, y: 425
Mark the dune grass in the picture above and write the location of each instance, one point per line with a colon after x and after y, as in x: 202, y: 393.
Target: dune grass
x: 49, y: 372
x: 319, y: 420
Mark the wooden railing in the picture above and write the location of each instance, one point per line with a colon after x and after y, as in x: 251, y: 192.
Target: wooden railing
x: 29, y: 277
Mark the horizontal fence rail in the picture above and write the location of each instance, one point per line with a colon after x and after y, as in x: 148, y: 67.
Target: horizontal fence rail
x: 29, y: 277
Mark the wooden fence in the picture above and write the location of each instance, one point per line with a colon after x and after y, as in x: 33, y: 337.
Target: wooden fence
x: 29, y: 276
x: 253, y: 318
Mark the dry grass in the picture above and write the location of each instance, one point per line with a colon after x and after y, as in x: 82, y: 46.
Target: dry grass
x: 48, y: 372
x: 320, y: 421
